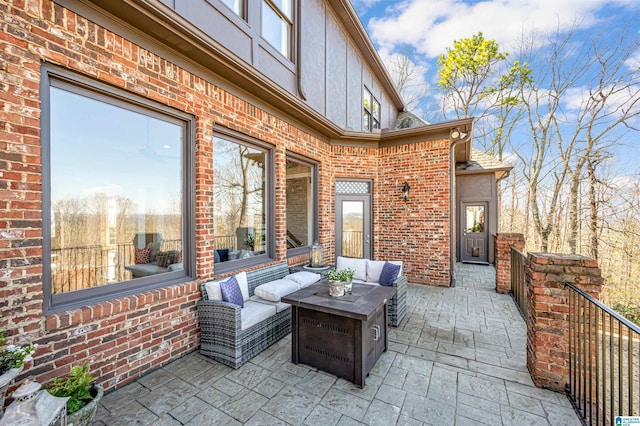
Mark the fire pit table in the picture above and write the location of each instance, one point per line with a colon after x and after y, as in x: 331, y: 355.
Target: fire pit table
x: 344, y: 335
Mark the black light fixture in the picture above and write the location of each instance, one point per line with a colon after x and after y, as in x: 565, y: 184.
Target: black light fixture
x: 405, y: 191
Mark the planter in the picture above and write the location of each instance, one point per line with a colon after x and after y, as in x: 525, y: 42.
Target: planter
x: 5, y: 380
x: 336, y: 288
x: 85, y: 415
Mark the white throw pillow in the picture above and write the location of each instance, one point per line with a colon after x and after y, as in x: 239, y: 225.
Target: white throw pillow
x: 244, y: 285
x: 274, y: 290
x: 214, y: 292
x: 304, y: 278
x: 374, y: 269
x: 358, y: 265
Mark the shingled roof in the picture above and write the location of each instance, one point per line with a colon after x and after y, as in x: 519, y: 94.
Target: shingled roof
x: 481, y: 162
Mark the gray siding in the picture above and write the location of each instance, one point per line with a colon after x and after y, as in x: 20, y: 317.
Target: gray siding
x: 473, y: 188
x: 354, y: 89
x: 314, y: 53
x: 333, y: 71
x: 336, y: 74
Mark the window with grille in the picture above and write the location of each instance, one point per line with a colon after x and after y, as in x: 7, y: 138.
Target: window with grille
x: 371, y: 114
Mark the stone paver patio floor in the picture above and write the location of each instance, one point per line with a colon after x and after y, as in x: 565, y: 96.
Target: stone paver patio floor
x: 458, y: 358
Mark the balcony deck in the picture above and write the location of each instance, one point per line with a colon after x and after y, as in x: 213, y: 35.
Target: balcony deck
x: 458, y: 358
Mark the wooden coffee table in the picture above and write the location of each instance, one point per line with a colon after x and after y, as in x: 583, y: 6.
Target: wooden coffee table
x: 344, y: 335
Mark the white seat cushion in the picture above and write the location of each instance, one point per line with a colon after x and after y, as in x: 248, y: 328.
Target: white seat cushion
x: 274, y: 290
x: 358, y: 265
x: 280, y: 306
x: 304, y: 278
x: 214, y: 292
x: 254, y: 312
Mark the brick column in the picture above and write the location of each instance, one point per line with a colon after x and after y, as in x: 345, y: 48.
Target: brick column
x: 503, y: 243
x: 548, y: 320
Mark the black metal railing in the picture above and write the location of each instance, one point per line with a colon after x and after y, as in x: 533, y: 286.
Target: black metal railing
x: 226, y: 241
x: 604, y: 361
x: 352, y: 244
x: 76, y: 268
x: 518, y: 282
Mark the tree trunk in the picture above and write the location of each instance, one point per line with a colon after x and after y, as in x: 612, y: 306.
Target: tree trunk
x: 574, y: 190
x: 593, y: 210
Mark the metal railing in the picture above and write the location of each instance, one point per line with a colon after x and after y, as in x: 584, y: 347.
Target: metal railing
x: 352, y: 244
x: 518, y: 282
x: 604, y: 361
x: 76, y: 268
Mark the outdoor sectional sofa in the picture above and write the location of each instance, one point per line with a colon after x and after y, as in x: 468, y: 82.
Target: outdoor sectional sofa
x: 233, y: 335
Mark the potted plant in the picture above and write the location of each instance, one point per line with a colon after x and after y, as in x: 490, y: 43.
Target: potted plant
x: 83, y: 395
x: 340, y: 281
x: 12, y: 359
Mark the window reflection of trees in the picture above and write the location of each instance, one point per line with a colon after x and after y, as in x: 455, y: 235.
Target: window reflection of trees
x: 239, y: 179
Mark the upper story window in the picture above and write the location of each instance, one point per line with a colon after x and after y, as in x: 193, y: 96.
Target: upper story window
x: 277, y: 24
x: 235, y: 5
x: 116, y: 187
x: 242, y: 208
x: 371, y: 117
x: 302, y: 218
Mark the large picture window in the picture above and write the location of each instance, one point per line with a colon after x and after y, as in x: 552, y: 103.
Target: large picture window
x: 277, y: 24
x: 115, y: 193
x: 301, y: 205
x: 242, y: 216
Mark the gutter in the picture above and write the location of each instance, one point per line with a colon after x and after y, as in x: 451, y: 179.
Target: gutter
x: 452, y: 200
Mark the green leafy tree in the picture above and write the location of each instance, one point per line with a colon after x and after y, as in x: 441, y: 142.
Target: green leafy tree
x: 477, y: 80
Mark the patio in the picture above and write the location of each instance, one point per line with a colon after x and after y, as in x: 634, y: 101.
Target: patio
x: 457, y: 358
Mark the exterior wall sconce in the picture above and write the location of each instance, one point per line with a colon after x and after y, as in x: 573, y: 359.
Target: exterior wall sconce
x: 405, y: 191
x: 315, y: 255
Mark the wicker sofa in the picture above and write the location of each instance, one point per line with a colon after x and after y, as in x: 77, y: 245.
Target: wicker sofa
x: 368, y: 272
x: 222, y: 335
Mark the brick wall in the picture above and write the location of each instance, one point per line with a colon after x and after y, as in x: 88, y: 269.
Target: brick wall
x: 503, y: 243
x: 416, y: 231
x: 124, y: 338
x: 548, y: 308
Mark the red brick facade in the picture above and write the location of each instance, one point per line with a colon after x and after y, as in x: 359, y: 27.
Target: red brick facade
x: 127, y: 337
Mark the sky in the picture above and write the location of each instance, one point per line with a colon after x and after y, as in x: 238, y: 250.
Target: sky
x: 424, y: 29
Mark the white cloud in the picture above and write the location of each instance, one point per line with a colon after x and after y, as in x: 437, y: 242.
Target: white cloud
x: 432, y: 26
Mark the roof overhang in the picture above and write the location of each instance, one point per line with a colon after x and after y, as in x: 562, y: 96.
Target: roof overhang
x: 155, y: 25
x: 500, y: 173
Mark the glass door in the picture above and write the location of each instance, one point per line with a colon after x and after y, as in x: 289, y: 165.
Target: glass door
x: 353, y: 226
x: 475, y: 241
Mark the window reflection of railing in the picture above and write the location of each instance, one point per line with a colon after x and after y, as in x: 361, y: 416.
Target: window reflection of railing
x: 226, y: 241
x: 76, y: 268
x: 352, y: 244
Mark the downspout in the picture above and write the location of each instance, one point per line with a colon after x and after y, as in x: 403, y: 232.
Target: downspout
x: 301, y: 93
x: 453, y: 230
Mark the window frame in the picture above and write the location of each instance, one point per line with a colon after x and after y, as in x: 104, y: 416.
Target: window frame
x: 269, y: 199
x: 54, y: 76
x: 315, y: 228
x: 290, y: 21
x: 370, y: 115
x: 242, y: 13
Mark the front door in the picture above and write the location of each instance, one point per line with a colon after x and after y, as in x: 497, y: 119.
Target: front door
x: 353, y: 226
x: 475, y: 236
